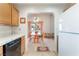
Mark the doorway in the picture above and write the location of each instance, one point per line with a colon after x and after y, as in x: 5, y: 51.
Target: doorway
x: 47, y: 28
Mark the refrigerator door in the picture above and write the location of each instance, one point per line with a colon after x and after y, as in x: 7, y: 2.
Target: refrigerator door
x: 68, y: 44
x: 69, y: 20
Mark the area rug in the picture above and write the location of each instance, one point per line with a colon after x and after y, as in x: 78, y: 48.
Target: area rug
x: 42, y: 49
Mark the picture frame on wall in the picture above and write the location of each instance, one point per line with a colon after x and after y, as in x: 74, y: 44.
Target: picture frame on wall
x: 22, y: 20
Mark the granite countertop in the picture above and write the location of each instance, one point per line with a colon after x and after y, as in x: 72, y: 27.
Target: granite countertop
x: 9, y: 38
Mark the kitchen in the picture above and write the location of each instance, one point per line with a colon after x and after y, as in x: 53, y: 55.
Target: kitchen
x: 10, y: 38
x: 14, y: 26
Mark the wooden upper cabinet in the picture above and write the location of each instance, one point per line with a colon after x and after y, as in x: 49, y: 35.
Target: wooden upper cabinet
x: 9, y: 15
x: 15, y: 16
x: 5, y: 13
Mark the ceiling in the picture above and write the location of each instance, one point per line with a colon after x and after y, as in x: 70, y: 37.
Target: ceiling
x: 63, y: 6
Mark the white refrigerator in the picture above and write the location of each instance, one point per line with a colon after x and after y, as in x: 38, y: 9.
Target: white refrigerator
x: 68, y: 41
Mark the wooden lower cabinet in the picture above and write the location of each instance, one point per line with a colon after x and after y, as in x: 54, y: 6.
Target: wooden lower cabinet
x: 1, y: 50
x: 22, y: 45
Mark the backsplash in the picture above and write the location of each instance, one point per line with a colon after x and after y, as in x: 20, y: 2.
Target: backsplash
x: 15, y: 30
x: 8, y: 30
x: 5, y: 30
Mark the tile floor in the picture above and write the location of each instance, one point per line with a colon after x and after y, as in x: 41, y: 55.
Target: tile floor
x: 48, y: 42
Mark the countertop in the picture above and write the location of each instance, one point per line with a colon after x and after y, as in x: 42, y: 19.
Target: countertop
x: 9, y: 38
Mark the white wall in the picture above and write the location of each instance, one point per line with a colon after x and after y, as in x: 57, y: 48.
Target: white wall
x: 52, y: 23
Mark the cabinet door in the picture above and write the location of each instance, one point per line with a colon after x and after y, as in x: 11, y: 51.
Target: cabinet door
x: 15, y: 16
x: 22, y: 45
x: 1, y: 50
x: 5, y: 13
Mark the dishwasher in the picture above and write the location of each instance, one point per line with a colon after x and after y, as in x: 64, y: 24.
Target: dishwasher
x: 12, y: 48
